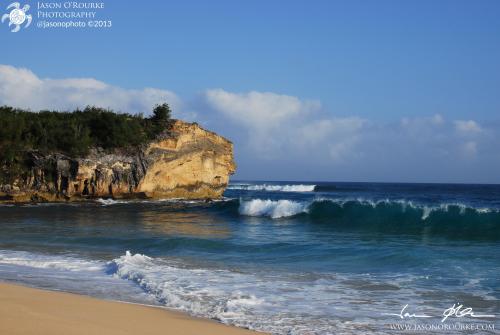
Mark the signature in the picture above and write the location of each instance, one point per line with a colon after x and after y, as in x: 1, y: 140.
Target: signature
x: 457, y: 310
x: 403, y: 314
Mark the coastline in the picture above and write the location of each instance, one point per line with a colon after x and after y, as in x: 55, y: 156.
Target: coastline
x: 25, y: 310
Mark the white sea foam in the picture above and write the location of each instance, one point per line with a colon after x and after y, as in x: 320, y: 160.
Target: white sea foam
x: 108, y: 202
x: 189, y: 201
x: 272, y: 208
x: 68, y: 273
x: 273, y: 188
x: 266, y: 302
x: 48, y: 261
x: 217, y: 294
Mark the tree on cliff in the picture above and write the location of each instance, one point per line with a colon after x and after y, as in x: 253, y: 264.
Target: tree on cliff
x: 160, y: 119
x: 162, y: 113
x: 72, y: 133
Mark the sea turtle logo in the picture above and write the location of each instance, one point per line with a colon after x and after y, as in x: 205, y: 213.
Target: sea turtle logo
x: 17, y: 16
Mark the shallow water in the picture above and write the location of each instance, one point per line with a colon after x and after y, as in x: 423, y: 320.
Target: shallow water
x: 288, y: 258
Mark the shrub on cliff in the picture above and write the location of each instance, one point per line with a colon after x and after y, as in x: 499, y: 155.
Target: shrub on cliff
x: 72, y: 133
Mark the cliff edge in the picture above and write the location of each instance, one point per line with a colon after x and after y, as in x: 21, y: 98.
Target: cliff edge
x: 186, y: 161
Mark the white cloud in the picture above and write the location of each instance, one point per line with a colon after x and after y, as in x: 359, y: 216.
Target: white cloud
x: 282, y: 124
x: 338, y: 135
x: 468, y: 127
x: 22, y: 88
x: 259, y: 109
x: 316, y: 131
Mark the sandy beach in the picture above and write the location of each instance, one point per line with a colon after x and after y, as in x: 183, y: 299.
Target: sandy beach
x: 27, y: 311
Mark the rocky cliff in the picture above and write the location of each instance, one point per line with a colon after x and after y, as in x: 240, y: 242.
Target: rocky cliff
x: 185, y: 162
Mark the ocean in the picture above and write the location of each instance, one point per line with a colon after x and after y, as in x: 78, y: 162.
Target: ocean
x: 281, y: 257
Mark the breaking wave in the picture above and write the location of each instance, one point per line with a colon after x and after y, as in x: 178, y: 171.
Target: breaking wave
x: 383, y: 215
x: 273, y: 188
x: 231, y: 297
x: 273, y: 208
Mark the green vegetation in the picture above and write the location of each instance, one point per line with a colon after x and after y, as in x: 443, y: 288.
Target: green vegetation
x: 72, y: 133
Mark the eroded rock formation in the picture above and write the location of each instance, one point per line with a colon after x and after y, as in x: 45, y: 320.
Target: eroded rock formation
x: 187, y: 162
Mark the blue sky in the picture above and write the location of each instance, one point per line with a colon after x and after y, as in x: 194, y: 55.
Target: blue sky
x: 307, y: 90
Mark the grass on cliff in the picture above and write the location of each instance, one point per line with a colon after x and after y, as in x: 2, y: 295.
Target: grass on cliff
x: 71, y: 133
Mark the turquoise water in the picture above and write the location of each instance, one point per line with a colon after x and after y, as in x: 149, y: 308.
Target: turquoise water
x: 288, y: 258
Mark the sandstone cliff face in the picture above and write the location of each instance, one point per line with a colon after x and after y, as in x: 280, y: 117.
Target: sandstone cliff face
x: 190, y: 162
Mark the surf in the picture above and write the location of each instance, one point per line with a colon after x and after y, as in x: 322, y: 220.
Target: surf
x: 385, y: 216
x: 273, y: 187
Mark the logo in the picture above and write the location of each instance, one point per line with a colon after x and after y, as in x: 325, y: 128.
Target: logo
x: 17, y: 16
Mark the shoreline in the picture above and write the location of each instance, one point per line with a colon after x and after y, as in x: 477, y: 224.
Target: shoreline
x: 26, y: 310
